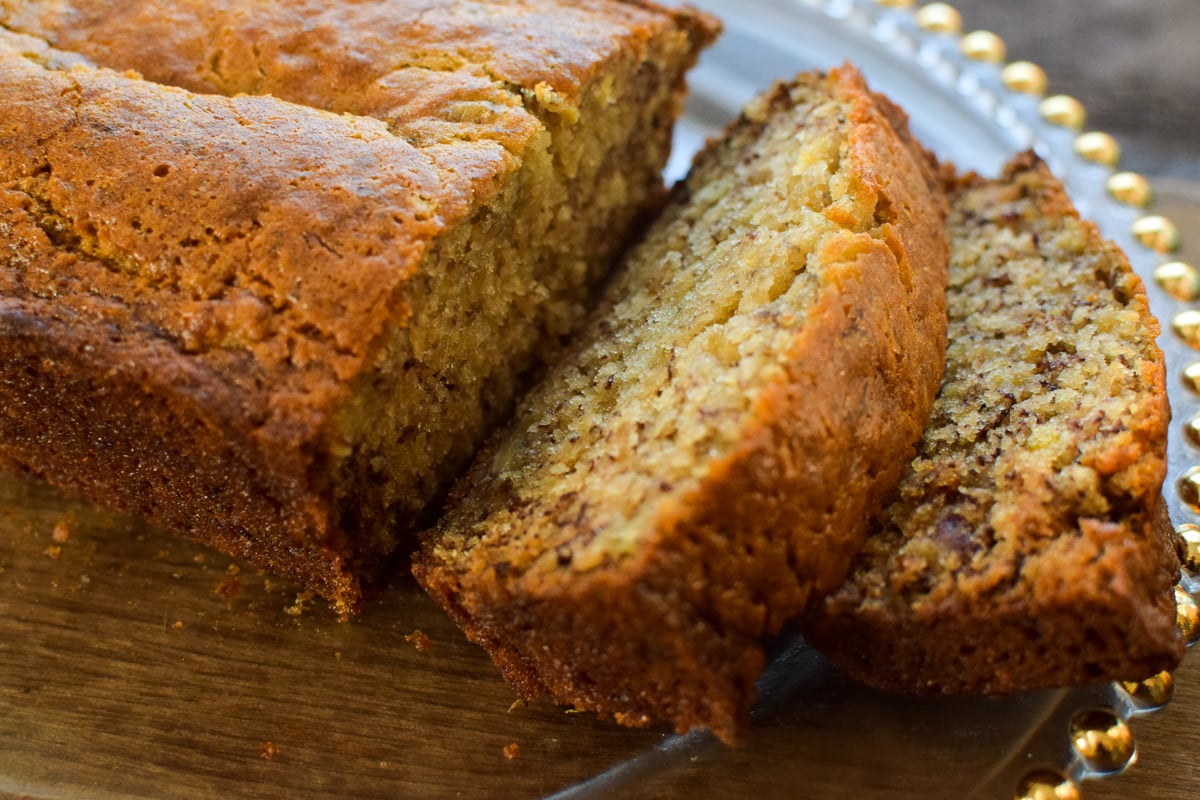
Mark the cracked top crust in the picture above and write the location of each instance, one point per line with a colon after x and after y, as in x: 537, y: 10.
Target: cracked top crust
x: 190, y: 232
x: 227, y: 205
x: 328, y: 55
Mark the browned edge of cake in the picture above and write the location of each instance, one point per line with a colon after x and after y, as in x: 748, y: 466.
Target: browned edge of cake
x: 996, y: 574
x: 673, y: 632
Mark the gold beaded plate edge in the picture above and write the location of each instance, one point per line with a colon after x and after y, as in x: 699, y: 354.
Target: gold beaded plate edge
x: 975, y: 109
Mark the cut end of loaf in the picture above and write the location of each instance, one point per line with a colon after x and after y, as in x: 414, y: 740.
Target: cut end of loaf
x: 503, y: 288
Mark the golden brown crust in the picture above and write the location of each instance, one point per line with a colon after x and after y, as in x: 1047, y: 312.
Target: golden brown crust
x: 1026, y: 549
x: 450, y: 79
x: 151, y: 277
x: 674, y: 631
x: 231, y: 270
x: 333, y: 55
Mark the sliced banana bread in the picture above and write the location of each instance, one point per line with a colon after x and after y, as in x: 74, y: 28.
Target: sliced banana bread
x: 704, y: 459
x: 274, y: 293
x: 1025, y: 549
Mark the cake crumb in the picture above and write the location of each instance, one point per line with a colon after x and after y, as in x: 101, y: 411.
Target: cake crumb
x: 518, y: 703
x: 419, y: 640
x: 53, y: 551
x: 63, y: 529
x: 512, y: 750
x: 233, y: 569
x: 228, y: 589
x: 297, y: 608
x: 178, y: 625
x: 268, y: 751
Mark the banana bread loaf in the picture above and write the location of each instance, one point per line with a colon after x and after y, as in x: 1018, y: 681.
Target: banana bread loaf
x: 704, y: 459
x: 273, y: 290
x: 1025, y: 549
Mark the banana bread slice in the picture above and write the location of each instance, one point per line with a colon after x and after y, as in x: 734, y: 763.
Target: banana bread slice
x: 703, y: 460
x: 1025, y: 549
x: 273, y: 291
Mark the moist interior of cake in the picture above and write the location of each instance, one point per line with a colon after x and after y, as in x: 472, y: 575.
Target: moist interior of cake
x: 664, y: 378
x: 1042, y: 335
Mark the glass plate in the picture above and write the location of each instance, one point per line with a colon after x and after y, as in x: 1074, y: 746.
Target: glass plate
x: 134, y: 664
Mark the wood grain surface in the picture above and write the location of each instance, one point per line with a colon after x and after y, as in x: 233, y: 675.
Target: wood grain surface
x: 137, y: 665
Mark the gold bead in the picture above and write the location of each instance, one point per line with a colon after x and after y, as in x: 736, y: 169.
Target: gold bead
x: 1130, y: 188
x: 1188, y: 487
x: 1064, y: 110
x: 897, y: 3
x: 1191, y: 431
x: 940, y: 18
x: 1024, y: 77
x: 1186, y: 325
x: 1157, y: 233
x: 1099, y: 147
x: 1187, y: 616
x: 1154, y: 692
x: 1046, y: 784
x: 983, y: 46
x: 1189, y: 534
x: 1191, y: 376
x: 1178, y: 279
x: 1102, y: 739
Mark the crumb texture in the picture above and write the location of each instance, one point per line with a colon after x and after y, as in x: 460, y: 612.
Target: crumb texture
x: 663, y: 499
x: 1025, y: 548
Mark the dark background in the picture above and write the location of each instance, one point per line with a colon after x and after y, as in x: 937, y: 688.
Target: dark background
x: 1135, y: 65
